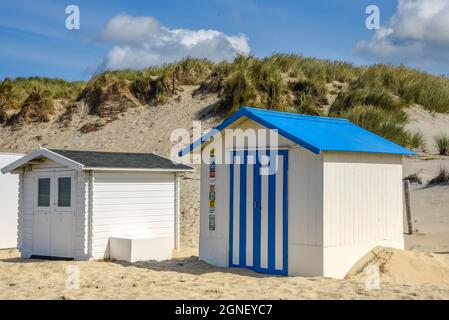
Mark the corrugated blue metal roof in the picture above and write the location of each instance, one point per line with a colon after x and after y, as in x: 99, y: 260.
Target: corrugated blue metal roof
x: 313, y: 133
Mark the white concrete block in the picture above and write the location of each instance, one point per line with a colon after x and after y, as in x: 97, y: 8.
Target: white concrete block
x: 141, y: 249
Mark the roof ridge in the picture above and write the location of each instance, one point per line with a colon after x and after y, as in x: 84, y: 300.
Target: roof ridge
x: 119, y: 152
x: 297, y: 115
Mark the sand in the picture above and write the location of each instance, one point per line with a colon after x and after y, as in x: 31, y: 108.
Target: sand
x: 187, y: 278
x: 417, y: 274
x: 403, y: 266
x: 430, y: 206
x: 429, y: 124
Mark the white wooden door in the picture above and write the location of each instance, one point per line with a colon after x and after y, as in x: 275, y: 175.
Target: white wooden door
x: 258, y: 212
x: 53, y: 224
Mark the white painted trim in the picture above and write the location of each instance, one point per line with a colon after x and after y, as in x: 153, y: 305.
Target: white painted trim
x: 137, y: 169
x: 12, y: 154
x: 90, y: 213
x: 177, y: 213
x: 43, y: 153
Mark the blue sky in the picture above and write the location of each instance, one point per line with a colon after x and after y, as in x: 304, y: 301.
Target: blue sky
x: 35, y: 42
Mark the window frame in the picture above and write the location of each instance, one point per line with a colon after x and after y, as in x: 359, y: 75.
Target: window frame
x: 57, y: 181
x: 49, y: 192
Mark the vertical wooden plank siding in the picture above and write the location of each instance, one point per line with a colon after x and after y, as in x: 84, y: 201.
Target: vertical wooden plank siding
x: 362, y: 198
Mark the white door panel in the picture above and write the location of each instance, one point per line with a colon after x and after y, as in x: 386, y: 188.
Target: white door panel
x: 42, y: 224
x: 63, y: 214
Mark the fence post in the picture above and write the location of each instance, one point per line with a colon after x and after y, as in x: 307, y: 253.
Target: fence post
x: 408, y: 206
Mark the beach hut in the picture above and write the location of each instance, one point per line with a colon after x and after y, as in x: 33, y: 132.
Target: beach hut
x: 94, y: 205
x: 291, y: 194
x: 9, y: 191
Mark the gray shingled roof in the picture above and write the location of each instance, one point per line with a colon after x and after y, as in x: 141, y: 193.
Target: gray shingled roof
x: 121, y: 160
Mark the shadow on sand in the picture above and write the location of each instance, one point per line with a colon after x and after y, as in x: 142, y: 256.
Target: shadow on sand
x: 189, y: 265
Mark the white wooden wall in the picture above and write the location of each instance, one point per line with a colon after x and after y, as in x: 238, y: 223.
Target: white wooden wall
x: 26, y: 210
x: 213, y: 245
x: 9, y: 196
x: 363, y: 207
x: 131, y: 205
x: 305, y: 213
x: 82, y: 217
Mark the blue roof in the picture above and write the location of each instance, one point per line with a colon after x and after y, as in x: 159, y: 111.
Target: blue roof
x: 313, y: 133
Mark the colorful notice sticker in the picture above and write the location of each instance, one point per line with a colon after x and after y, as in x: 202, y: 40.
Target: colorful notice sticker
x: 211, y: 222
x: 212, y: 191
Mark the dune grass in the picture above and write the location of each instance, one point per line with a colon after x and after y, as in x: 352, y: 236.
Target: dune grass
x: 371, y: 96
x: 442, y: 144
x: 416, y: 140
x: 26, y: 94
x: 17, y: 90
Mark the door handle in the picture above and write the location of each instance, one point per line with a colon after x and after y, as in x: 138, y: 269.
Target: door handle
x: 256, y: 205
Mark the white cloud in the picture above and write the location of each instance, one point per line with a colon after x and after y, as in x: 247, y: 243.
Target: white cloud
x: 417, y: 33
x: 140, y: 42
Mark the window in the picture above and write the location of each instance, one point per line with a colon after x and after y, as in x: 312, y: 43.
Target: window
x: 43, y: 198
x: 64, y: 192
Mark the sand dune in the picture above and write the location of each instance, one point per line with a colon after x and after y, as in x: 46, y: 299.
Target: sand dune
x: 429, y: 124
x: 403, y: 266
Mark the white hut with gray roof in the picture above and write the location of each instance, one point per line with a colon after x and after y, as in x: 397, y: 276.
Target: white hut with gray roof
x: 93, y: 205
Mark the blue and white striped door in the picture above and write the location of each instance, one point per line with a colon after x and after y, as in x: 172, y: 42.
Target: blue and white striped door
x: 258, y: 212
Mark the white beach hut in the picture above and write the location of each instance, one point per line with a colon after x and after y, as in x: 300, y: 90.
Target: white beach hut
x: 9, y: 199
x: 335, y: 193
x: 94, y: 205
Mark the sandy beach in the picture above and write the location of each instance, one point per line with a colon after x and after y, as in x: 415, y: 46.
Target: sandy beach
x: 185, y: 277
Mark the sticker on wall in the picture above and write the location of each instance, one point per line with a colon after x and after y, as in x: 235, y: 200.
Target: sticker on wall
x: 212, y: 191
x: 212, y: 222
